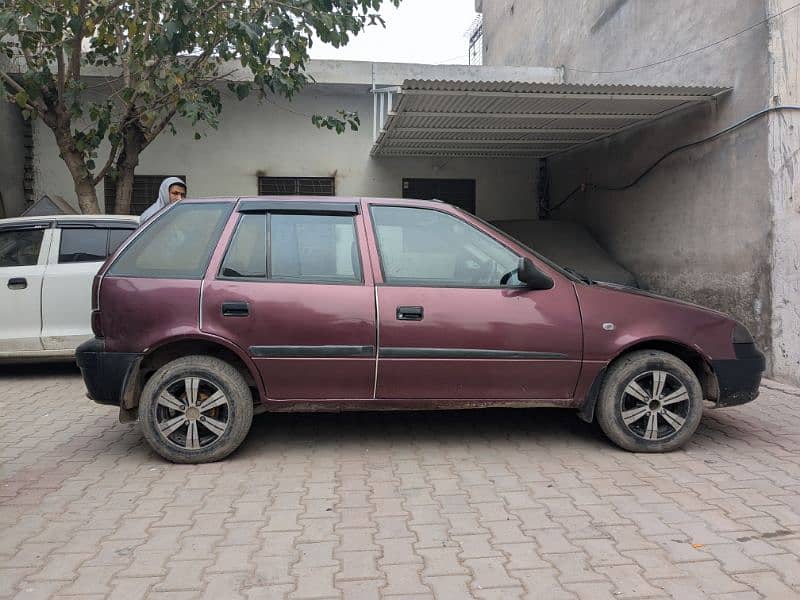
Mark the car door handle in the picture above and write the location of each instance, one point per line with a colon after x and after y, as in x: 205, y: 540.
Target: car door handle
x: 410, y: 313
x: 17, y: 283
x: 235, y: 309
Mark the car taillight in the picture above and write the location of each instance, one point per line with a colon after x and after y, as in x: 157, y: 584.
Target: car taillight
x: 97, y: 325
x: 95, y: 300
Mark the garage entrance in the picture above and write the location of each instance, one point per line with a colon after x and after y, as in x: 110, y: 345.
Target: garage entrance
x: 458, y: 192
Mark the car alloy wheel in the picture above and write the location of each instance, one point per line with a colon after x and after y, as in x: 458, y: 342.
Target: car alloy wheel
x: 191, y: 413
x: 654, y: 405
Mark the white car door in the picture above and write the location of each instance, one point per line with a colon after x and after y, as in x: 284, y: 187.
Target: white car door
x: 76, y: 254
x: 23, y: 251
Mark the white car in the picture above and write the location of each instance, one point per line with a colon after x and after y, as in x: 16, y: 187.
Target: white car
x: 46, y: 269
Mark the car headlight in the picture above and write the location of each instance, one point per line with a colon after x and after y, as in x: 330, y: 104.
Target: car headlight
x: 741, y: 335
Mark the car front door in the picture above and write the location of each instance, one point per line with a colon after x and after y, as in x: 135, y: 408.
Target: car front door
x: 77, y: 251
x: 23, y: 251
x: 455, y: 322
x: 290, y: 290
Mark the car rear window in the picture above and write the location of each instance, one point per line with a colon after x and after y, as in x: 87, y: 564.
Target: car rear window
x: 176, y: 245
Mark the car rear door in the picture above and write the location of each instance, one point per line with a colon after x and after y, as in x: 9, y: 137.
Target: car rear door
x: 451, y: 326
x: 23, y: 251
x: 291, y: 291
x: 77, y: 252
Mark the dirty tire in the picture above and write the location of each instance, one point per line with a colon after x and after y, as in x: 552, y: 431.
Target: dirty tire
x: 219, y: 385
x: 630, y: 410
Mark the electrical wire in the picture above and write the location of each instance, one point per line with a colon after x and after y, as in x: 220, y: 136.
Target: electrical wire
x: 606, y: 188
x: 689, y: 52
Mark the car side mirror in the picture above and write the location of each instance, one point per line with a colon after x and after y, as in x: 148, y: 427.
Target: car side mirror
x: 532, y: 277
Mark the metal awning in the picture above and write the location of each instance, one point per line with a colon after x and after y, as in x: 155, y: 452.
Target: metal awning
x: 515, y: 119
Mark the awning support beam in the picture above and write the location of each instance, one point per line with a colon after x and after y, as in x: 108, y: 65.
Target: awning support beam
x: 556, y: 95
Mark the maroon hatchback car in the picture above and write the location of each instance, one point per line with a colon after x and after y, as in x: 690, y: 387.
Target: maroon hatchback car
x: 217, y: 307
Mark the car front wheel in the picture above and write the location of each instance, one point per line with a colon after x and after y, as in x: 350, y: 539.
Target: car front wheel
x: 650, y: 401
x: 196, y: 409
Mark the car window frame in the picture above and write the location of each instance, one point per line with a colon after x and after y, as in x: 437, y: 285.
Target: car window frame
x: 289, y: 208
x: 427, y: 283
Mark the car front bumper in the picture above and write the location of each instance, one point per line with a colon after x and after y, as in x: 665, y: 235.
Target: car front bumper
x: 104, y: 373
x: 739, y: 378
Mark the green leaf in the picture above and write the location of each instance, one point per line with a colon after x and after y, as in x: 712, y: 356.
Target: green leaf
x: 21, y: 98
x: 242, y: 91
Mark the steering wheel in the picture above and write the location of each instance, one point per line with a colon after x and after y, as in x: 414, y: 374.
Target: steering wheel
x: 505, y: 278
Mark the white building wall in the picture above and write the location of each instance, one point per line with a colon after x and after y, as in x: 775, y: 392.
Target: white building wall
x: 277, y: 138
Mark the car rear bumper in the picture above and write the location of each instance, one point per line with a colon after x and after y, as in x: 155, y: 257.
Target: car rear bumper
x: 104, y: 373
x: 739, y: 378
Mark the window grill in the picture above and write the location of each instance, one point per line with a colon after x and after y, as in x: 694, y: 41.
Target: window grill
x: 296, y: 186
x: 476, y: 42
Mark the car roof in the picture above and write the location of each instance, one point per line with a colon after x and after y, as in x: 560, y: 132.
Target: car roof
x: 64, y: 218
x: 344, y: 199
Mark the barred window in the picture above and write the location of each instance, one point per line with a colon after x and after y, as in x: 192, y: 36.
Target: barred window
x: 296, y: 186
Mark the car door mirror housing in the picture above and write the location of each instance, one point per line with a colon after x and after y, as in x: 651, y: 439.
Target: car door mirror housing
x: 532, y: 277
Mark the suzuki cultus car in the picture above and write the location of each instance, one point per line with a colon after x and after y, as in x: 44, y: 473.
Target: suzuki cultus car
x: 218, y: 306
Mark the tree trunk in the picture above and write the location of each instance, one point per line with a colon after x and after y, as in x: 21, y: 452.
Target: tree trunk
x: 81, y: 176
x: 128, y: 159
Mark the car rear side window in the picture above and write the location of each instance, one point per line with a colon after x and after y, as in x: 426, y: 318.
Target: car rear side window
x: 89, y: 244
x: 116, y: 237
x: 176, y: 245
x: 20, y: 247
x: 294, y: 247
x: 83, y: 245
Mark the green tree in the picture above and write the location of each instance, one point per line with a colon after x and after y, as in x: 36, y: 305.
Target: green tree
x: 168, y: 60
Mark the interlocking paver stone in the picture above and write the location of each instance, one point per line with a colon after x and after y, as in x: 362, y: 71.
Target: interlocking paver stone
x: 492, y: 504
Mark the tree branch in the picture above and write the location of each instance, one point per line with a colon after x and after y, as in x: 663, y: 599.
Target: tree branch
x: 60, y: 74
x: 112, y: 156
x: 75, y: 60
x: 32, y: 105
x: 153, y: 133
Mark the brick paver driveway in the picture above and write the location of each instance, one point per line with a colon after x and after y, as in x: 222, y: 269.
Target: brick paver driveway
x: 490, y: 504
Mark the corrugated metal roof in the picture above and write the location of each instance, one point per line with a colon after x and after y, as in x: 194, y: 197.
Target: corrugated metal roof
x: 508, y: 118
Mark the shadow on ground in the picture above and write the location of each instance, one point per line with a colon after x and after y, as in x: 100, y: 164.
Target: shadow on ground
x: 39, y: 370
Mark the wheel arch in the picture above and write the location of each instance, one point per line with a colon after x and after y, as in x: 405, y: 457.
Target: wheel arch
x: 696, y: 361
x: 169, y: 350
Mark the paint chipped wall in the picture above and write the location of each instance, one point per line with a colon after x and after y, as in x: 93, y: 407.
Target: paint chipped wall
x: 784, y: 163
x: 699, y: 226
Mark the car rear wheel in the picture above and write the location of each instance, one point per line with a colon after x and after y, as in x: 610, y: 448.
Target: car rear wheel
x: 196, y: 409
x: 651, y: 401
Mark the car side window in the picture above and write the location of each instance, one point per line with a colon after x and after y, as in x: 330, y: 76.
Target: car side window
x: 20, y: 247
x: 294, y: 247
x: 116, y: 237
x: 247, y: 254
x: 427, y: 247
x: 83, y: 244
x: 177, y: 244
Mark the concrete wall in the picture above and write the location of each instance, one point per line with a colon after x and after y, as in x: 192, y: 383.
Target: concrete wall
x: 277, y: 138
x: 784, y: 147
x: 699, y: 226
x: 12, y: 161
